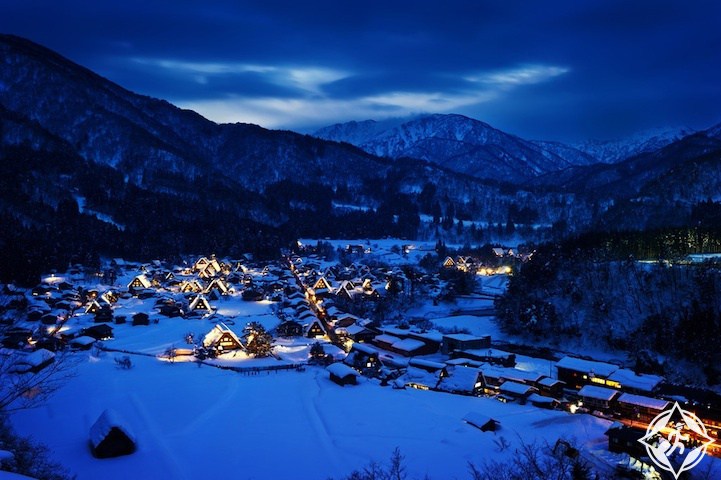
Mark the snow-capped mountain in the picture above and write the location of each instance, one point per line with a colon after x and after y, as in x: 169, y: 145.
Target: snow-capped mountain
x: 460, y: 144
x: 614, y: 151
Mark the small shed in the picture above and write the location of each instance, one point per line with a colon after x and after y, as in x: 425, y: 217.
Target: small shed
x: 342, y: 374
x: 111, y: 437
x: 482, y: 422
x: 141, y: 318
x: 100, y: 331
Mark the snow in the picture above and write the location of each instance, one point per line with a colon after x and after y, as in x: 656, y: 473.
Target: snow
x: 515, y: 388
x: 598, y: 393
x: 587, y: 366
x: 628, y: 378
x: 341, y: 370
x: 108, y: 420
x: 182, y: 413
x: 643, y: 401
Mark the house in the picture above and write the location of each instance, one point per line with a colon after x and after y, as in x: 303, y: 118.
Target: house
x: 222, y: 339
x: 449, y: 263
x: 104, y: 315
x: 111, y: 437
x: 623, y: 439
x: 577, y: 372
x: 419, y: 378
x: 490, y: 355
x: 139, y: 282
x: 82, y: 343
x: 315, y: 329
x: 342, y: 374
x: 217, y: 285
x: 141, y: 319
x: 482, y: 422
x: 190, y: 287
x: 356, y: 333
x: 32, y: 362
x: 93, y: 307
x: 632, y: 382
x: 542, y: 401
x: 200, y: 305
x: 461, y: 380
x: 289, y: 328
x: 639, y: 407
x: 516, y: 390
x: 363, y: 358
x: 102, y: 331
x: 597, y: 398
x: 462, y: 341
x: 550, y: 387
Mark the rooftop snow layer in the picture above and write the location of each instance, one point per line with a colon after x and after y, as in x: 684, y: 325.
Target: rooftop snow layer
x: 586, y: 366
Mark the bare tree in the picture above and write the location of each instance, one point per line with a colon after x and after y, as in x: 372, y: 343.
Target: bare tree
x: 19, y: 391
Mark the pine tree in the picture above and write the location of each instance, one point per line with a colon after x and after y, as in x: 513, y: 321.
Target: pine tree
x: 258, y: 342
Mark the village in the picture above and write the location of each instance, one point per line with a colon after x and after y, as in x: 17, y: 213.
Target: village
x: 368, y: 317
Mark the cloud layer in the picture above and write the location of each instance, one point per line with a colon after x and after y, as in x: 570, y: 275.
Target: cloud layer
x: 558, y: 70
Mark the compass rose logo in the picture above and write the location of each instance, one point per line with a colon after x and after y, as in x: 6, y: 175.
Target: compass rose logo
x: 678, y: 435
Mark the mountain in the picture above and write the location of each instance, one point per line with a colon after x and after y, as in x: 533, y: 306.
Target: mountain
x: 613, y: 151
x: 458, y: 143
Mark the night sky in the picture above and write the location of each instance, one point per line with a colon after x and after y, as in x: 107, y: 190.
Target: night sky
x: 563, y: 70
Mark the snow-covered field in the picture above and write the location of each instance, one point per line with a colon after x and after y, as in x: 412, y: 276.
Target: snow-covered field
x: 195, y: 421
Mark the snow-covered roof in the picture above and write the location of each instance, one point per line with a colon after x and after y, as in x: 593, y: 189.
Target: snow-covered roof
x: 515, y: 388
x: 367, y: 349
x: 641, y: 401
x: 460, y: 379
x: 143, y: 281
x: 548, y: 382
x: 83, y: 341
x: 510, y: 373
x: 408, y: 345
x: 108, y: 420
x: 478, y: 419
x: 421, y: 377
x: 628, y: 378
x: 419, y: 362
x: 354, y: 329
x: 586, y: 366
x: 38, y: 357
x: 385, y: 338
x: 462, y: 337
x: 597, y: 393
x: 212, y: 337
x: 341, y: 370
x: 536, y: 398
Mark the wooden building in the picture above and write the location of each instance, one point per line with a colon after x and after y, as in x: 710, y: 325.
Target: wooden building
x: 639, y: 407
x: 289, y: 328
x: 597, y: 398
x: 577, y: 372
x: 315, y: 329
x: 462, y: 341
x: 222, y: 339
x: 342, y: 374
x: 624, y: 439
